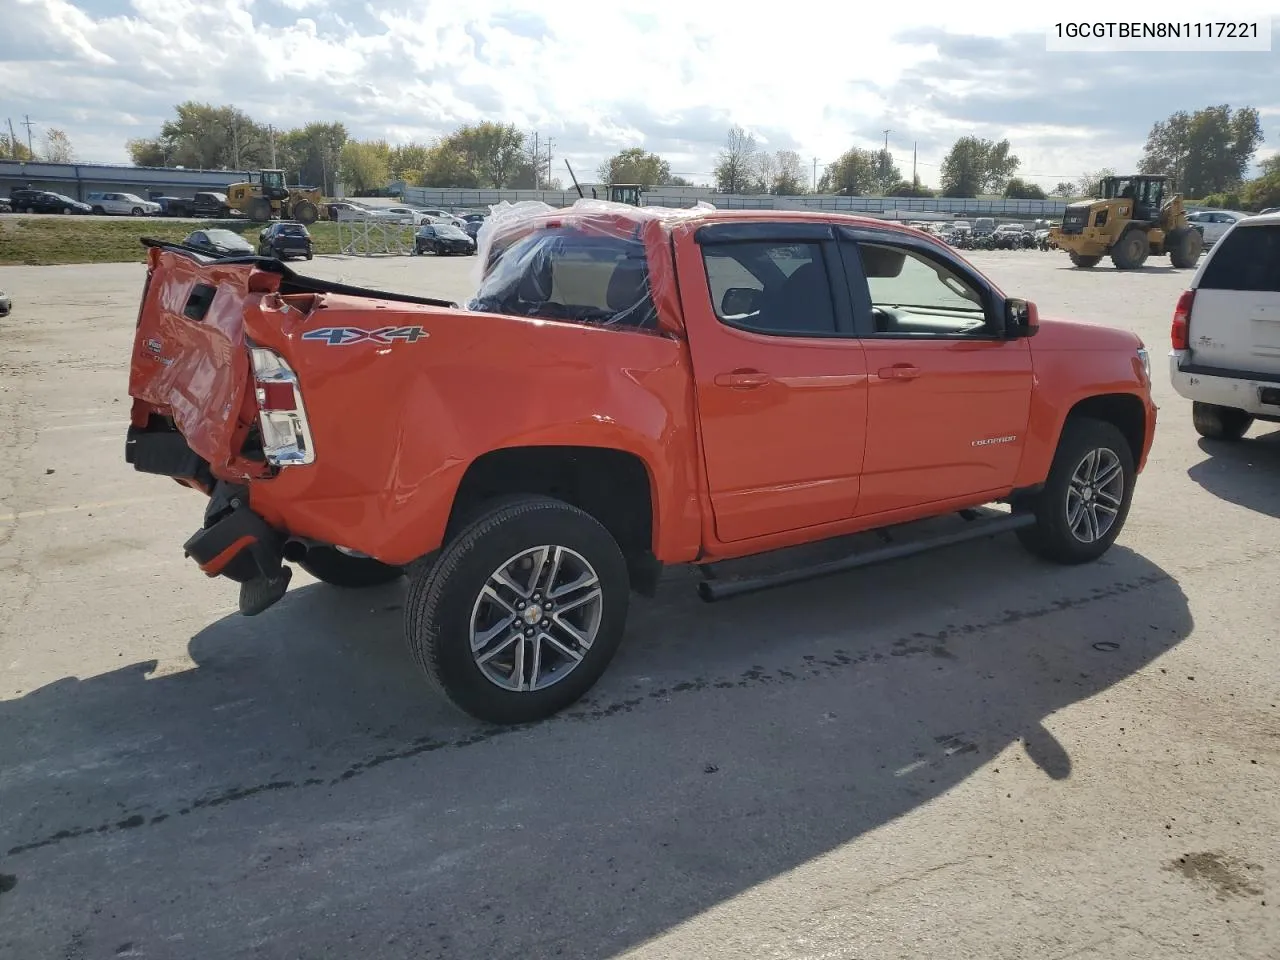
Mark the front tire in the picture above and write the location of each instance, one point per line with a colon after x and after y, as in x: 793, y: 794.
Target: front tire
x: 1080, y: 260
x: 1219, y: 423
x: 1131, y: 250
x: 1085, y: 501
x: 1185, y: 246
x: 330, y: 565
x: 522, y: 611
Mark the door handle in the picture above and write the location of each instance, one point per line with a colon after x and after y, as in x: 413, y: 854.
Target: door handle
x: 742, y: 379
x: 899, y: 371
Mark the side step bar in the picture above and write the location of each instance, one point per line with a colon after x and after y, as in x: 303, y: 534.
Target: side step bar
x: 713, y: 590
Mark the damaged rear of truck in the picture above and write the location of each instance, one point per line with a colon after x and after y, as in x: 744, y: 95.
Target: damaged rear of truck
x: 355, y: 433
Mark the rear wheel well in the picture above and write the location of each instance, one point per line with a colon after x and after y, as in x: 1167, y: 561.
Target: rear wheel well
x: 1123, y: 410
x: 611, y: 485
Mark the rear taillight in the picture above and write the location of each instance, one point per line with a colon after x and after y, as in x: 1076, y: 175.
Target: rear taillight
x: 286, y: 435
x: 1179, y: 333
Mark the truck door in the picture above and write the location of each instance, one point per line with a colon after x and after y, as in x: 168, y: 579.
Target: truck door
x: 948, y: 399
x: 781, y: 380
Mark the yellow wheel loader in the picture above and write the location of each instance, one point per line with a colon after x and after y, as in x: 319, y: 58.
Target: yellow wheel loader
x: 266, y: 196
x: 1132, y: 220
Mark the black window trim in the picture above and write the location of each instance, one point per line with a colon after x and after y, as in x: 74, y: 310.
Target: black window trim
x: 860, y: 292
x: 786, y: 235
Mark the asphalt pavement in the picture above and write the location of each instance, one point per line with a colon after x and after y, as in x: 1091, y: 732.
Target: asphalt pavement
x: 970, y: 754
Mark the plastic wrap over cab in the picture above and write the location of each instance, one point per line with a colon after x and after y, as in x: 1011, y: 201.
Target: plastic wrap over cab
x: 587, y: 263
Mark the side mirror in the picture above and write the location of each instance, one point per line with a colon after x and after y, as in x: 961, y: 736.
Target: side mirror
x: 739, y: 301
x: 1021, y: 318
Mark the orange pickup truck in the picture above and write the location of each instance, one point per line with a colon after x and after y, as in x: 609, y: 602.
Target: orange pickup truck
x: 629, y: 388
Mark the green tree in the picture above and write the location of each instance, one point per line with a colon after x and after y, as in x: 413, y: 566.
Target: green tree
x: 1063, y: 189
x: 447, y: 167
x: 1089, y: 183
x: 1019, y: 189
x: 13, y: 149
x: 1203, y: 152
x: 904, y: 189
x: 887, y: 173
x: 852, y: 174
x: 493, y: 152
x: 974, y: 166
x: 737, y: 167
x: 312, y: 154
x: 364, y: 165
x: 789, y: 178
x: 57, y: 147
x: 1264, y: 190
x: 635, y: 165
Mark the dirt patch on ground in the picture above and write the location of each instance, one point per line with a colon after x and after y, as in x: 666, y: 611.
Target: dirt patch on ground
x: 1229, y: 876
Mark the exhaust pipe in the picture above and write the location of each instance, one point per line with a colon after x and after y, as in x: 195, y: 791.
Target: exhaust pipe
x: 294, y: 549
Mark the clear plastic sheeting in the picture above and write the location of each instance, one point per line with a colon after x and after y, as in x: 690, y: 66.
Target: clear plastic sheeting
x: 587, y: 263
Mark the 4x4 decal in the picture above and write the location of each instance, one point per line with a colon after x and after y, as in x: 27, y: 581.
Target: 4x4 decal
x: 345, y: 336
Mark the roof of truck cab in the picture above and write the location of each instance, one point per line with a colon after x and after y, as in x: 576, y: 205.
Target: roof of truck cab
x: 675, y: 216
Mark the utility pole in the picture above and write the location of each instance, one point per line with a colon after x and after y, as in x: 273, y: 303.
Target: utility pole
x: 914, y: 179
x: 815, y: 174
x: 537, y: 163
x: 271, y: 130
x: 549, y: 142
x: 29, y: 123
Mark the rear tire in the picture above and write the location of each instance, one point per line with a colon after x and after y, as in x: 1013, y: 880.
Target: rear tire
x: 1185, y: 246
x: 482, y: 620
x: 306, y: 212
x: 1085, y: 501
x: 1080, y: 260
x: 332, y: 566
x: 1219, y: 423
x: 258, y: 209
x: 1131, y: 250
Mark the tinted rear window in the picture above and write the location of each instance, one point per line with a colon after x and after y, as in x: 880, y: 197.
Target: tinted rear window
x: 562, y: 274
x: 1247, y: 258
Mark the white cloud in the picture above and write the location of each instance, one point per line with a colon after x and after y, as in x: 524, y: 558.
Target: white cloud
x: 818, y: 78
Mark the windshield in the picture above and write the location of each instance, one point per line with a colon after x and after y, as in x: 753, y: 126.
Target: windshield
x: 450, y: 231
x: 225, y: 236
x: 562, y: 274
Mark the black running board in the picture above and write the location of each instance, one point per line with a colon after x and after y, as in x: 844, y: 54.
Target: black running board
x: 713, y: 590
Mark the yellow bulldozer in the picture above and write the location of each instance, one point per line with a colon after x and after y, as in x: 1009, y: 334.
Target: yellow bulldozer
x: 1131, y: 220
x: 266, y: 196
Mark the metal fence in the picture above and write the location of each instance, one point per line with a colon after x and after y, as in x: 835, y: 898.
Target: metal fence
x: 450, y: 198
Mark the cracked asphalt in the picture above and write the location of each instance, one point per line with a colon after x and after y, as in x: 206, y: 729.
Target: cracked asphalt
x: 968, y: 754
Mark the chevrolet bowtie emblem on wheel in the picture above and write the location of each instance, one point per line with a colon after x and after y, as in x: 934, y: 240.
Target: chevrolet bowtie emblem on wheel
x: 345, y: 336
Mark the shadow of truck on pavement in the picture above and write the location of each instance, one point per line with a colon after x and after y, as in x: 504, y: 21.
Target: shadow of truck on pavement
x: 303, y: 792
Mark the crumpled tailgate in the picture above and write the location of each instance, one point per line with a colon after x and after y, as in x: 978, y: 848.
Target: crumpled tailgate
x: 189, y: 358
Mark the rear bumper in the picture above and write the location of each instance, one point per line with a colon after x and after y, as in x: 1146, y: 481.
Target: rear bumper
x: 1258, y: 394
x: 235, y: 542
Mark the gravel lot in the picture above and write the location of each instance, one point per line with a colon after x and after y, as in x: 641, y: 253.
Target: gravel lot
x: 969, y: 754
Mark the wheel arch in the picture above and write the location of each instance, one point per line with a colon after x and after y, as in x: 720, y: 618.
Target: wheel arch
x: 1125, y: 411
x: 615, y: 486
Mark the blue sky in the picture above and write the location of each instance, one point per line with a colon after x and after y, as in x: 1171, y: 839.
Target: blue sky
x: 669, y: 76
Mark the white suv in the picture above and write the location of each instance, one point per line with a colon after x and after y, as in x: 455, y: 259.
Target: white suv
x: 127, y: 204
x: 1226, y: 332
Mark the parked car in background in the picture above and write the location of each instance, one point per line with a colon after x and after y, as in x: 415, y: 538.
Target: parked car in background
x: 205, y: 204
x: 407, y: 215
x: 44, y: 201
x: 6, y: 304
x: 471, y: 223
x: 4, y: 205
x: 1212, y: 224
x: 1226, y: 332
x: 448, y: 217
x: 122, y: 204
x: 284, y: 240
x: 442, y: 239
x: 222, y: 243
